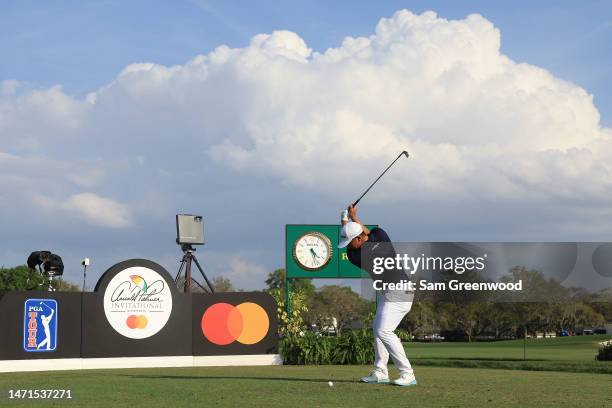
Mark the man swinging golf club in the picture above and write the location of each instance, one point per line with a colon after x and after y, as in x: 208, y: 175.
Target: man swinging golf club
x: 392, y: 305
x: 391, y: 308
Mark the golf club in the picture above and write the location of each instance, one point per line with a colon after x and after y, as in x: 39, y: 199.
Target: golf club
x: 383, y: 173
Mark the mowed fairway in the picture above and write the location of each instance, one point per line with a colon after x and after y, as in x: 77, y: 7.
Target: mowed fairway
x: 578, y: 348
x: 570, y: 354
x: 441, y: 381
x: 306, y: 386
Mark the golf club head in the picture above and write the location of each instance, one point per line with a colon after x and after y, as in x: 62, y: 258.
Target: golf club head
x: 405, y: 153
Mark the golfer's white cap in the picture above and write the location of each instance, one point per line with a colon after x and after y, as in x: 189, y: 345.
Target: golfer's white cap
x: 349, y: 231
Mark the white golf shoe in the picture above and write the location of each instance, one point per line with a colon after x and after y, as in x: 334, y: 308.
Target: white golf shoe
x: 376, y: 377
x: 406, y: 379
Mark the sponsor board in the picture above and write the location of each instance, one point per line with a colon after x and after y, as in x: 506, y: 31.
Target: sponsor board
x: 223, y: 323
x: 40, y: 325
x: 137, y: 302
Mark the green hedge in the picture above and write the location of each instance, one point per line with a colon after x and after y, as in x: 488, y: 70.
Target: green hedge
x: 352, y: 347
x: 605, y: 353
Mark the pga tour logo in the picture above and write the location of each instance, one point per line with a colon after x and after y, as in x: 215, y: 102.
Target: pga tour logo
x: 137, y: 302
x: 40, y: 325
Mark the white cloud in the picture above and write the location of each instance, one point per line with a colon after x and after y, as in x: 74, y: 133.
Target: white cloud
x: 92, y: 208
x: 31, y: 121
x: 474, y: 120
x: 281, y: 43
x: 244, y: 274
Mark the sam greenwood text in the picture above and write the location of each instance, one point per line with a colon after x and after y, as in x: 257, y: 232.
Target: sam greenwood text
x: 455, y: 285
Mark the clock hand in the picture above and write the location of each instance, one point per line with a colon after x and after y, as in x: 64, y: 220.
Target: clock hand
x: 315, y: 255
x: 314, y: 258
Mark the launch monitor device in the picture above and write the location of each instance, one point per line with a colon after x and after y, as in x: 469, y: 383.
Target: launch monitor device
x: 189, y: 229
x: 190, y: 232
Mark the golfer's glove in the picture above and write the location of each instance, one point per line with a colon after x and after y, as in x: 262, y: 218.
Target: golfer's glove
x: 344, y: 216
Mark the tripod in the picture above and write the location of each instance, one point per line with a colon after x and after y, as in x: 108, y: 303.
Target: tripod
x: 188, y: 257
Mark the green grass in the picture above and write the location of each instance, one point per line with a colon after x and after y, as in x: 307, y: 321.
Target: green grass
x: 306, y: 386
x: 559, y: 348
x: 593, y: 367
x: 449, y: 374
x: 573, y: 354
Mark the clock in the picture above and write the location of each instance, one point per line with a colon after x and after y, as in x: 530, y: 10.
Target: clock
x: 312, y: 251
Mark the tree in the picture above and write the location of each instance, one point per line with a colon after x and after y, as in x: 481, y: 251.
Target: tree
x: 422, y: 319
x: 463, y: 309
x: 291, y: 323
x: 338, y: 302
x: 602, y: 303
x: 222, y: 284
x: 22, y: 278
x: 276, y: 280
x: 470, y: 317
x: 62, y: 285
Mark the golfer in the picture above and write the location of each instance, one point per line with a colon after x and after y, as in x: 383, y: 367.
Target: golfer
x: 391, y: 308
x: 45, y: 322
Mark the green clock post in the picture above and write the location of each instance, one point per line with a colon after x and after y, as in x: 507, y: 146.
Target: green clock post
x: 311, y: 252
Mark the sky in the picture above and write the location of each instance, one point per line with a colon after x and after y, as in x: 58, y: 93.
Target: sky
x: 114, y: 116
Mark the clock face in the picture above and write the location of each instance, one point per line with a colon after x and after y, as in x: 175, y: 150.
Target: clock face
x: 312, y: 251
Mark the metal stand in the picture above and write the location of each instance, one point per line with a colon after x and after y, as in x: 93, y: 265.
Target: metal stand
x: 188, y: 257
x: 84, y: 276
x: 50, y: 288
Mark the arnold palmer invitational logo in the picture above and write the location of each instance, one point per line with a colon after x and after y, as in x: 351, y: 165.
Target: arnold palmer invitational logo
x: 137, y: 302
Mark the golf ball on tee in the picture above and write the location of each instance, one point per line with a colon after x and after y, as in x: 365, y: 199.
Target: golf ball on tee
x: 331, y: 384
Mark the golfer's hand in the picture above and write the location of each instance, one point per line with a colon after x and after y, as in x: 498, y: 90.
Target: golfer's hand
x: 344, y: 219
x: 352, y: 212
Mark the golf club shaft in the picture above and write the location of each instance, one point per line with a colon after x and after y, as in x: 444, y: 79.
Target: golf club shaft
x: 383, y: 173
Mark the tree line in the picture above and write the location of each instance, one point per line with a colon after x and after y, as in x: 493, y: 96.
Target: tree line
x: 544, y: 305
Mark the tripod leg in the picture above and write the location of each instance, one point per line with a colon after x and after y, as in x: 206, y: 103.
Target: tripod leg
x: 199, y: 285
x: 212, y: 290
x: 178, y: 274
x: 189, y: 257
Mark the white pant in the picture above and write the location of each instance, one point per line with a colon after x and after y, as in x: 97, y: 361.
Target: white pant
x: 388, y: 317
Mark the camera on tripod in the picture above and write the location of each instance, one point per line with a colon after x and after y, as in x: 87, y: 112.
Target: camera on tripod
x: 189, y: 232
x: 189, y: 229
x: 47, y: 263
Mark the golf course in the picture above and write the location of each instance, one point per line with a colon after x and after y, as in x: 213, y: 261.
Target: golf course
x: 442, y: 380
x: 298, y: 204
x: 571, y: 354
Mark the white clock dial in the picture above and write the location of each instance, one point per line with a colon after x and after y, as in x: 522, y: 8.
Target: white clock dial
x: 312, y: 251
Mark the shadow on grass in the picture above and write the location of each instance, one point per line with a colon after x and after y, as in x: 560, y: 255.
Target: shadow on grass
x: 479, y: 359
x: 213, y: 377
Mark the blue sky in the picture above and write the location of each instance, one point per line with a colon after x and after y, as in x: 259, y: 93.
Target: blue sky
x: 155, y: 116
x: 84, y: 44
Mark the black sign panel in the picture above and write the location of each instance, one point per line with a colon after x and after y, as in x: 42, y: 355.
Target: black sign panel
x: 234, y: 323
x: 49, y: 327
x: 135, y: 311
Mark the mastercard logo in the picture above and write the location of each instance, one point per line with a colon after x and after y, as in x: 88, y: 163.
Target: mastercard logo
x: 247, y: 323
x: 136, y: 322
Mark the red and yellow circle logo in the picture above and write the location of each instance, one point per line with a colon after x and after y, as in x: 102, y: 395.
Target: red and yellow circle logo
x: 247, y: 323
x: 137, y: 322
